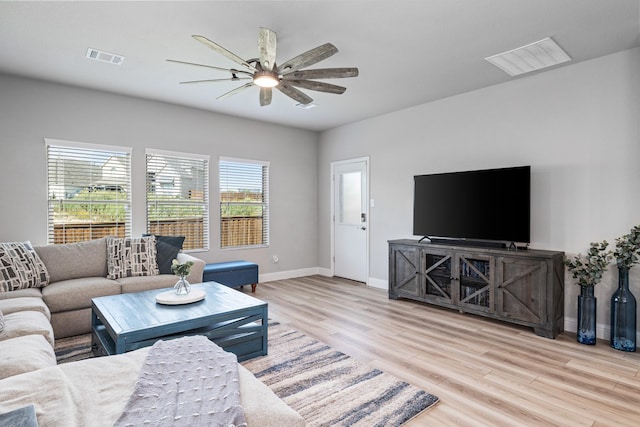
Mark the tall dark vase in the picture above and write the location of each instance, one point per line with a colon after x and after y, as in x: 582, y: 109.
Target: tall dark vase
x: 623, y: 314
x: 587, y: 316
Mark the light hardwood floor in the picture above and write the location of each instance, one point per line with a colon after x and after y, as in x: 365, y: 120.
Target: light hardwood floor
x: 484, y: 372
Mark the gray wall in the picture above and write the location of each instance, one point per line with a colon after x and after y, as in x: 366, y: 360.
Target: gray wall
x: 577, y: 126
x: 33, y: 110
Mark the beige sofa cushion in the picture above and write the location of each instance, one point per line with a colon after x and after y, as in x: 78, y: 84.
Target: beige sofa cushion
x: 261, y: 405
x: 75, y: 260
x: 13, y: 305
x: 70, y: 323
x: 24, y: 354
x: 26, y: 323
x: 146, y: 283
x: 74, y: 294
x: 30, y: 292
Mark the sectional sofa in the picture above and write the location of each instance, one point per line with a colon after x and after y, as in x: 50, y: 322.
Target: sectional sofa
x: 57, y: 304
x: 78, y: 272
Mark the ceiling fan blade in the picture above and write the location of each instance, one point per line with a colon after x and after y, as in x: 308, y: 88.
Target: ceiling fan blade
x: 236, y: 90
x: 322, y: 73
x: 216, y: 80
x: 308, y: 58
x: 230, y: 55
x: 294, y: 93
x: 267, y: 41
x: 265, y: 96
x: 318, y: 86
x: 230, y: 70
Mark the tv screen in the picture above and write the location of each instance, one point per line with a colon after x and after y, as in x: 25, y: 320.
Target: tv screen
x: 491, y: 205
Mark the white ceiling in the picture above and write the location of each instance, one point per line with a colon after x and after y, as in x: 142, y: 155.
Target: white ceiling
x: 408, y: 52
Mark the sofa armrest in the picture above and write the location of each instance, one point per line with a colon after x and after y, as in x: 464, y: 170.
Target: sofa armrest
x: 195, y: 276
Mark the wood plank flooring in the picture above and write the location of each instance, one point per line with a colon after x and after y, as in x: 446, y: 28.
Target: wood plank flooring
x: 486, y: 373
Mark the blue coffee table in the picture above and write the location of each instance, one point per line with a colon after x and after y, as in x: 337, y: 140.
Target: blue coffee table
x: 235, y: 321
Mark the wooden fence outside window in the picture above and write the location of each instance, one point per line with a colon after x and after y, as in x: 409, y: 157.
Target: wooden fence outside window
x: 239, y: 231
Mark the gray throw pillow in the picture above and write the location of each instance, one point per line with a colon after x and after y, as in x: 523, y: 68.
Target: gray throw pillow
x: 167, y: 249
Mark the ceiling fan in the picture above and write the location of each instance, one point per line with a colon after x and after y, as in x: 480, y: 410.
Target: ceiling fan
x: 265, y: 73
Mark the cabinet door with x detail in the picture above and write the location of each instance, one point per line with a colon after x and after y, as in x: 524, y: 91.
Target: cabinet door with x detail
x: 439, y: 276
x: 405, y: 273
x: 521, y: 288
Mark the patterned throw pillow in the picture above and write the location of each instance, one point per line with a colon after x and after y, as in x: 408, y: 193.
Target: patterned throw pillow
x: 21, y: 267
x: 1, y: 322
x: 129, y: 257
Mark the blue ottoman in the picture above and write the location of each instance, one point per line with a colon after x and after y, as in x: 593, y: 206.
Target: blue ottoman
x: 232, y: 273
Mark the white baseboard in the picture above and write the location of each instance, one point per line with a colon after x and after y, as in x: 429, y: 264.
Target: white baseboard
x: 327, y: 272
x: 378, y: 284
x: 292, y: 274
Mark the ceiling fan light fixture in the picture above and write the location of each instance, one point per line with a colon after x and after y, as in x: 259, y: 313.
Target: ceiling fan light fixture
x: 266, y: 79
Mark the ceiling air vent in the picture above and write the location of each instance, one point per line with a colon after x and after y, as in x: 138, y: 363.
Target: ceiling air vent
x: 100, y: 55
x: 535, y: 56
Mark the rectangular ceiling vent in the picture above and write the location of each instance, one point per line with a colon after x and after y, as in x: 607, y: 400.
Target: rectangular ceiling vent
x: 100, y: 55
x: 532, y: 57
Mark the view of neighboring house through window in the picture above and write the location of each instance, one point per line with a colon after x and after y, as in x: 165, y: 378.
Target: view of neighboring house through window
x: 89, y: 191
x: 178, y: 197
x: 244, y: 203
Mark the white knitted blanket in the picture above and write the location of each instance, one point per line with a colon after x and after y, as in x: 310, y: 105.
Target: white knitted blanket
x: 188, y: 381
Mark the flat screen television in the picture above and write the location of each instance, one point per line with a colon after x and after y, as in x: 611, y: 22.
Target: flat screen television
x: 491, y: 205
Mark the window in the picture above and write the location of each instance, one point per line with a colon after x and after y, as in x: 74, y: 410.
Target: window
x: 178, y: 197
x: 88, y: 190
x: 244, y: 203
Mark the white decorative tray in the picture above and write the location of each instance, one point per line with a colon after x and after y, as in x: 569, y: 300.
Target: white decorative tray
x: 170, y: 297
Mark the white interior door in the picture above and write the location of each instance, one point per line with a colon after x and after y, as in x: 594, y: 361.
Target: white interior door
x: 350, y: 220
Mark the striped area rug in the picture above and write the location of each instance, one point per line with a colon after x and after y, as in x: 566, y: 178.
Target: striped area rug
x: 329, y: 388
x: 326, y: 387
x: 73, y: 348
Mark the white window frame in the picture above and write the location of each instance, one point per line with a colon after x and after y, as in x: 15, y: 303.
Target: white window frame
x: 83, y: 149
x: 205, y: 159
x: 265, y: 201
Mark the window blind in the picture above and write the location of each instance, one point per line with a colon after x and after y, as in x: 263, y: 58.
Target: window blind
x: 178, y: 197
x: 244, y: 203
x: 89, y: 191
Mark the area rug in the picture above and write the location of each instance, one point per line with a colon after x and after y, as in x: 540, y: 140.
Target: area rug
x: 329, y: 388
x: 73, y: 348
x: 325, y: 386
